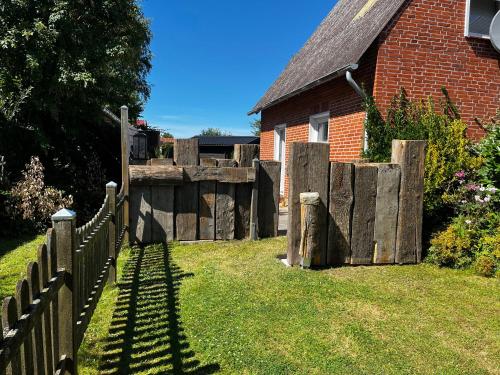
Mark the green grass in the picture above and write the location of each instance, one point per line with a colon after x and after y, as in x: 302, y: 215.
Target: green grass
x: 233, y: 308
x: 15, y: 254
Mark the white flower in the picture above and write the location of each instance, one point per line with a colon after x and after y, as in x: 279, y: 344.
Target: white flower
x: 487, y: 198
x: 468, y: 222
x: 482, y: 188
x: 464, y: 201
x: 477, y: 198
x: 492, y: 190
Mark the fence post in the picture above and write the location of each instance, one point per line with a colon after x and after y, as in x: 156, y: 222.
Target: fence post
x: 310, y: 227
x: 254, y: 204
x: 125, y: 160
x: 111, y: 193
x: 64, y: 224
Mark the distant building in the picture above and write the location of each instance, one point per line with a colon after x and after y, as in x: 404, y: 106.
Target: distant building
x: 222, y: 147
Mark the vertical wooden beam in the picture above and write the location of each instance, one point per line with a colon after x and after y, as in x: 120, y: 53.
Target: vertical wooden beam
x: 186, y: 152
x: 410, y: 155
x: 363, y: 216
x: 141, y: 213
x: 162, y: 198
x: 254, y: 203
x: 112, y: 235
x: 386, y: 213
x: 125, y: 161
x: 307, y: 172
x: 63, y: 223
x: 340, y: 213
x: 224, y: 213
x: 207, y: 203
x: 9, y: 320
x: 244, y: 155
x: 269, y: 198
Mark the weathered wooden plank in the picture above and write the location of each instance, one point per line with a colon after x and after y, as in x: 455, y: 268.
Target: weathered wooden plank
x: 158, y: 175
x: 307, y: 171
x: 224, y: 215
x: 207, y: 210
x: 208, y: 162
x: 163, y: 213
x: 386, y: 213
x: 140, y: 214
x: 340, y: 213
x: 269, y: 198
x: 226, y: 163
x: 243, y: 198
x: 363, y: 216
x: 36, y: 334
x: 244, y: 154
x: 186, y: 152
x: 410, y: 155
x: 310, y: 227
x: 164, y: 161
x: 186, y: 211
x: 220, y: 174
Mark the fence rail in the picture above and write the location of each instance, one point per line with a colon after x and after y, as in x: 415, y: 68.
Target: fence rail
x: 43, y: 325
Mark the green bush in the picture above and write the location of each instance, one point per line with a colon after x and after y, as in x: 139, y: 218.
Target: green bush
x: 489, y: 149
x: 448, y: 148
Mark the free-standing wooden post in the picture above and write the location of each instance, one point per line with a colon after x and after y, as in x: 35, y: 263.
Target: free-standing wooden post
x: 125, y: 179
x: 310, y: 227
x: 111, y: 193
x: 64, y: 224
x: 254, y: 203
x: 410, y: 155
x: 207, y: 203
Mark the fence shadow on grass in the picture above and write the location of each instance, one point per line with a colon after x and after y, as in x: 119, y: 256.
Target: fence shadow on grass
x: 146, y: 333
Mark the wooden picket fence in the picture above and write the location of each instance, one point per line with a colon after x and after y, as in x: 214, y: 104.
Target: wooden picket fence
x: 43, y: 325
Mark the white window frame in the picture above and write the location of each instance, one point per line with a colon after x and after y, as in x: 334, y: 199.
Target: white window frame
x: 468, y: 33
x: 314, y: 122
x: 276, y: 140
x: 277, y: 146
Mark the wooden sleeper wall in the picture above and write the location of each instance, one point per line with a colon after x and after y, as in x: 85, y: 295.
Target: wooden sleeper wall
x: 374, y: 211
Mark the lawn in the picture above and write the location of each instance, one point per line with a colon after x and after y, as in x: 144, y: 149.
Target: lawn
x: 15, y: 254
x: 233, y: 308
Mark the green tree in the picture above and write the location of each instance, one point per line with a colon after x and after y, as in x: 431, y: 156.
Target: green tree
x: 255, y: 124
x: 166, y: 134
x: 213, y: 132
x: 62, y: 62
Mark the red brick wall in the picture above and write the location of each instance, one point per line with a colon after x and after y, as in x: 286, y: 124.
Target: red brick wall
x: 337, y: 97
x: 424, y: 48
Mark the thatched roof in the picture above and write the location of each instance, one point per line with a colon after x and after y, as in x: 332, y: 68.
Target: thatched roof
x: 337, y: 44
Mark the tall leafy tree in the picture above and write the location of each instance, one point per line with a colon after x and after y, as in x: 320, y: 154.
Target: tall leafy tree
x: 61, y: 62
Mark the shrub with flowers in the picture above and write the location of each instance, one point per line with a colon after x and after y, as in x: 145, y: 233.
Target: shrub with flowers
x: 473, y: 237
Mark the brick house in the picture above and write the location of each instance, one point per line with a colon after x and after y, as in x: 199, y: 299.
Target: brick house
x: 381, y: 45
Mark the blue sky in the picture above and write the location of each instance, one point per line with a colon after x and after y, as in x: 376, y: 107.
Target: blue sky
x: 214, y: 59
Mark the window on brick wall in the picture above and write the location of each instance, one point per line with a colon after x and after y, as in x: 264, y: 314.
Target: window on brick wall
x: 478, y: 17
x: 318, y: 127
